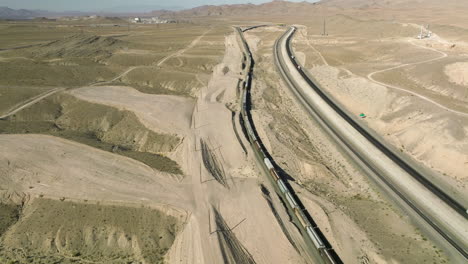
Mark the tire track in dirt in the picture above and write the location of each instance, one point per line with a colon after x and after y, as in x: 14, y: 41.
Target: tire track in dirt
x: 180, y: 52
x: 370, y: 75
x: 314, y: 49
x: 34, y: 100
x: 30, y: 101
x: 160, y: 62
x: 442, y: 56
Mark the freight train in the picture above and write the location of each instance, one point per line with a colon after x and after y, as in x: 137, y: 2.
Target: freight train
x: 313, y: 232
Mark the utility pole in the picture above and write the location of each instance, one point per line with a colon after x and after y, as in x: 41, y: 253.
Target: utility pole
x: 324, y: 27
x: 466, y: 88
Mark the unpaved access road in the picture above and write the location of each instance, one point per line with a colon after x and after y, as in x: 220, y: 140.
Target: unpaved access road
x: 44, y: 95
x: 442, y: 56
x: 31, y: 101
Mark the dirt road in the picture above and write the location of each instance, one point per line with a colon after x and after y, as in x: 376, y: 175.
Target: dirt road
x: 442, y: 56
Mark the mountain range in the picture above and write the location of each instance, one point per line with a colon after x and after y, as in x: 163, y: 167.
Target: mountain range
x: 9, y: 13
x: 275, y: 8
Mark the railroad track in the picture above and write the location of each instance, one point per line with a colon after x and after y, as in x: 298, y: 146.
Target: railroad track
x: 451, y: 224
x: 307, y: 226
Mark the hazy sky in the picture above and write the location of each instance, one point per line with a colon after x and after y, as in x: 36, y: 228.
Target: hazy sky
x: 109, y: 5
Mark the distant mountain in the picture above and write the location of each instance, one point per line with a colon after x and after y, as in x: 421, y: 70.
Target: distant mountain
x: 274, y: 8
x: 8, y: 13
x: 285, y: 8
x: 394, y: 3
x: 140, y: 8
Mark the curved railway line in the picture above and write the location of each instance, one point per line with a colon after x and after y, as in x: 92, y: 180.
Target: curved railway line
x: 307, y: 226
x: 452, y: 237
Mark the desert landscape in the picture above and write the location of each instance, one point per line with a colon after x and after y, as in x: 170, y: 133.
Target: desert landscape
x: 126, y: 140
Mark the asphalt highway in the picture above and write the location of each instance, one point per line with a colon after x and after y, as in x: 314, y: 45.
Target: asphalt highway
x: 446, y: 215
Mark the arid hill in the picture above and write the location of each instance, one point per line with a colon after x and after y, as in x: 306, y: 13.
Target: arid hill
x: 393, y: 3
x: 274, y: 8
x: 304, y: 9
x: 79, y: 45
x: 9, y: 13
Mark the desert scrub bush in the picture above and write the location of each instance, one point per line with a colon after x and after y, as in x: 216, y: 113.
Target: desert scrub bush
x: 225, y: 70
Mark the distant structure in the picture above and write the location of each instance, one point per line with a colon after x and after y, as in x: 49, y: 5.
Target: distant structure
x: 152, y: 20
x: 425, y: 32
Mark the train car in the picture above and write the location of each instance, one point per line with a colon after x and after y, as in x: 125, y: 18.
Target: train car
x: 264, y: 155
x: 270, y: 167
x: 244, y: 100
x: 315, y: 238
x: 252, y: 135
x: 268, y: 163
x: 329, y: 258
x: 247, y: 124
x: 259, y: 148
x: 282, y: 186
x: 291, y: 200
x: 302, y: 217
x: 275, y: 175
x: 242, y: 114
x: 250, y: 130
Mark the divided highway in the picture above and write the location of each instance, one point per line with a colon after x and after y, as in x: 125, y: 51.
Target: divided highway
x: 447, y: 216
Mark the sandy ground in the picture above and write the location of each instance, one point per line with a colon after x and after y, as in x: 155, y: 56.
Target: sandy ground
x: 61, y: 170
x: 239, y: 202
x: 52, y: 167
x: 458, y: 73
x: 161, y: 113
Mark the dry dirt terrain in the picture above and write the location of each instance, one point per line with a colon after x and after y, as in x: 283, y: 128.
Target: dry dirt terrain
x: 80, y: 129
x: 412, y: 91
x: 123, y: 144
x: 141, y: 165
x: 339, y: 196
